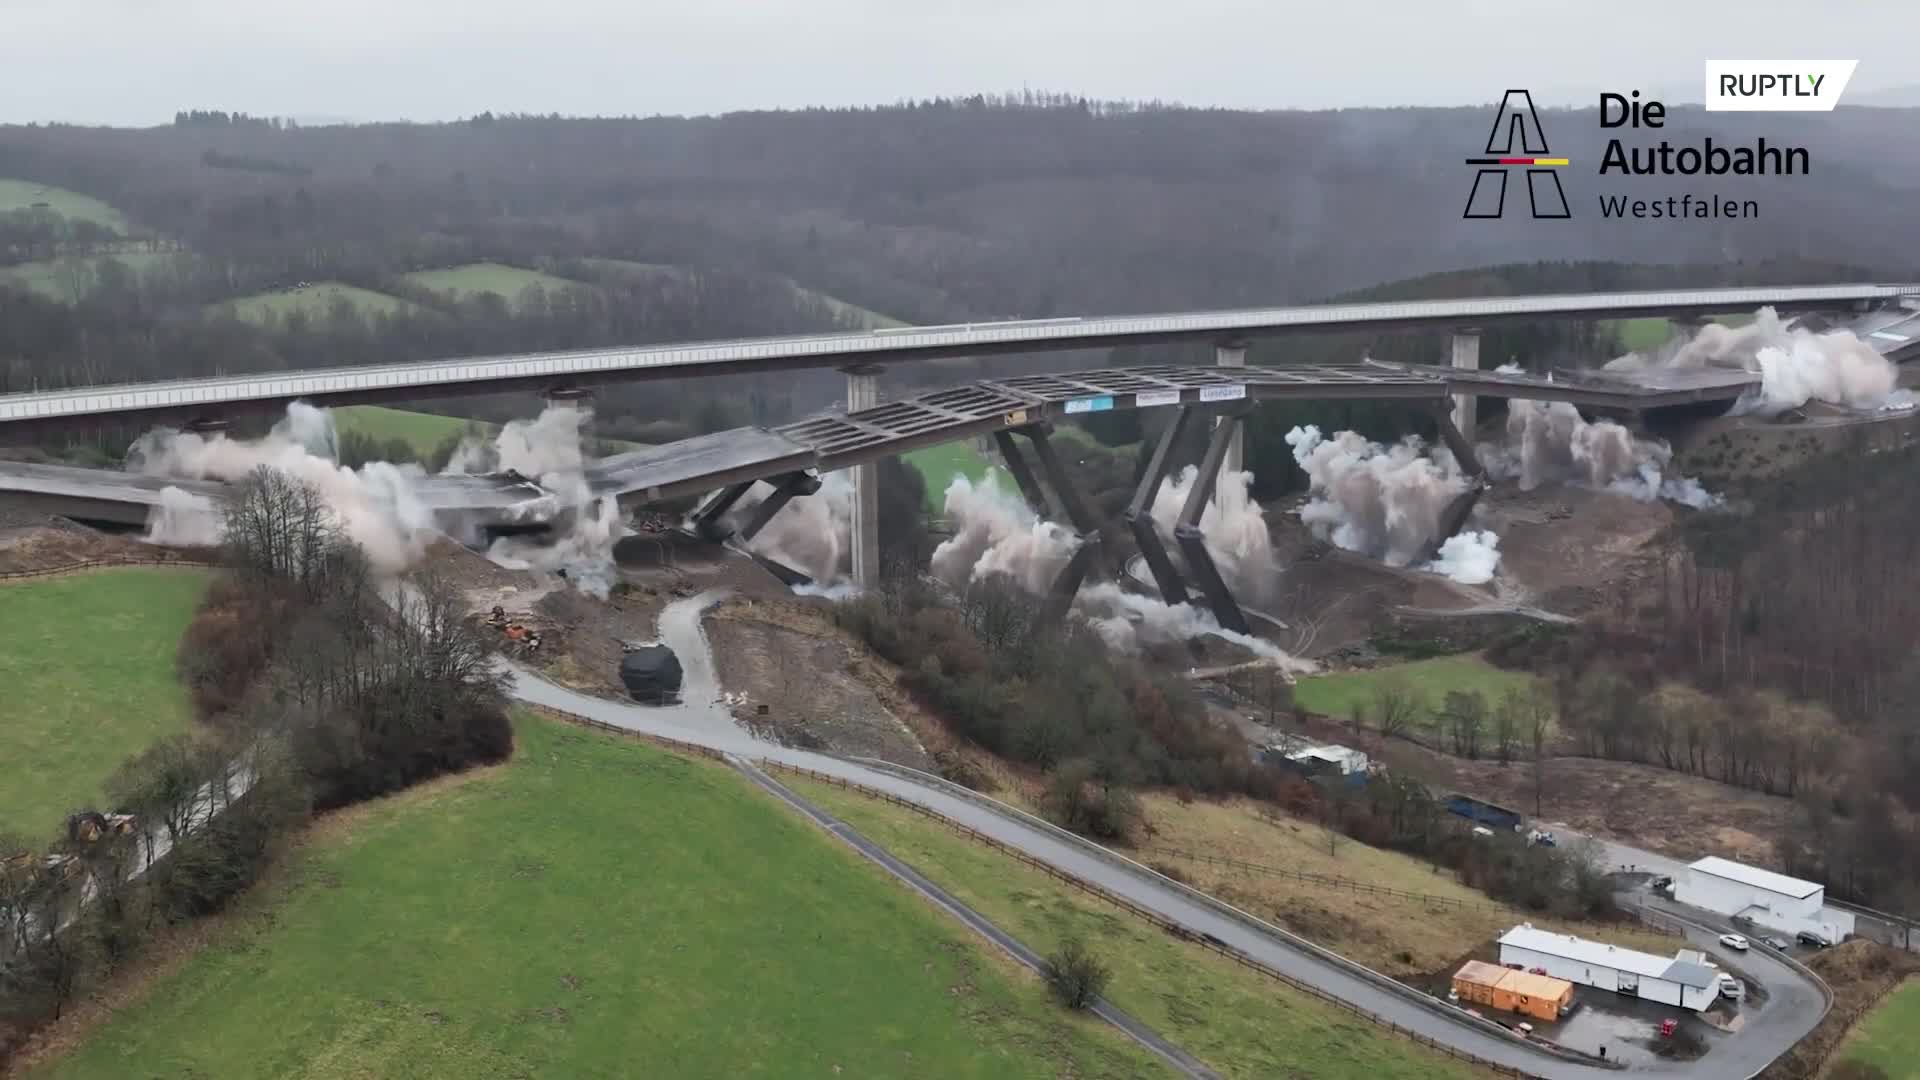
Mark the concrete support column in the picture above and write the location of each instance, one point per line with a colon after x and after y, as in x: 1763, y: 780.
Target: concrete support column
x: 863, y: 392
x: 1466, y: 357
x: 1233, y: 355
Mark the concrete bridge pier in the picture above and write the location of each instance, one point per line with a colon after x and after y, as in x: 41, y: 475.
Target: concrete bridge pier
x: 707, y: 517
x: 863, y: 392
x: 785, y: 489
x: 1454, y: 517
x: 1233, y: 355
x: 1466, y: 356
x: 1193, y: 544
x: 1139, y: 512
x: 1086, y: 529
x: 1023, y: 478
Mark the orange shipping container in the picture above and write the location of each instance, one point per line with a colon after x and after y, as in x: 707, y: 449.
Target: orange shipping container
x: 1538, y: 996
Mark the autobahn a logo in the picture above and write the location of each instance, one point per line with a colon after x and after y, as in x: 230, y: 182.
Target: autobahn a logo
x: 1517, y: 123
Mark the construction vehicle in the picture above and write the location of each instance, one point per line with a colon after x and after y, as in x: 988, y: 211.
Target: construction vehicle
x: 519, y: 635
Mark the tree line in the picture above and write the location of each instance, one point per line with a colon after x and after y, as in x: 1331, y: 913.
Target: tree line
x: 314, y: 690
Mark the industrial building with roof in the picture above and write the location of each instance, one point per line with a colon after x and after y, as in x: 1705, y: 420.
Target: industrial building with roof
x: 1542, y: 997
x: 1770, y: 900
x: 1671, y: 980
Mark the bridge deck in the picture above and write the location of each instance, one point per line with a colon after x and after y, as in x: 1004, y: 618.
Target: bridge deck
x: 198, y: 398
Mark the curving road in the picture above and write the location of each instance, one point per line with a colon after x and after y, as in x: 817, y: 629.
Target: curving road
x: 1782, y: 1023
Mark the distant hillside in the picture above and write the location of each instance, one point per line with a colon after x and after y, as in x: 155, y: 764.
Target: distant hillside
x: 968, y: 209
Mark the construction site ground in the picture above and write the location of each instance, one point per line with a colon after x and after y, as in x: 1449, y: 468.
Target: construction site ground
x: 818, y: 688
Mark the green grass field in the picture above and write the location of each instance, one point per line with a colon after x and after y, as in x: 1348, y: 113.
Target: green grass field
x: 423, y: 431
x: 1339, y: 694
x: 628, y: 266
x: 87, y: 661
x: 25, y: 194
x: 597, y: 907
x: 68, y: 280
x: 1889, y: 1036
x: 864, y: 318
x: 316, y: 302
x: 506, y: 281
x: 1237, y: 1021
x: 938, y: 465
x: 1638, y: 335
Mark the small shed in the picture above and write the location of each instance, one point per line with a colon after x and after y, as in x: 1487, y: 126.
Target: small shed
x: 1539, y: 996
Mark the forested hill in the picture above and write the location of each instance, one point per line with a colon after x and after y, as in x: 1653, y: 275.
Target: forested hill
x: 967, y: 209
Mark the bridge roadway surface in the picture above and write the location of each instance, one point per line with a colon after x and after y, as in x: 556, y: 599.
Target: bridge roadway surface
x: 189, y: 399
x: 1794, y: 1007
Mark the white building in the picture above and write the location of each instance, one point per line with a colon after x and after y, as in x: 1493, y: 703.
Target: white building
x: 1670, y: 980
x: 1342, y: 759
x: 1774, y: 901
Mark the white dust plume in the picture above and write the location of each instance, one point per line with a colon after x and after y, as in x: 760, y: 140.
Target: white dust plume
x: 812, y: 533
x: 1795, y: 365
x: 996, y: 535
x: 1549, y: 441
x: 995, y: 532
x: 375, y: 504
x: 1382, y: 501
x: 550, y: 450
x: 1233, y: 525
x: 1469, y: 557
x: 184, y: 519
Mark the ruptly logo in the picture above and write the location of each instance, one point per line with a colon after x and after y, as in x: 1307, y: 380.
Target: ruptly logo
x: 1517, y: 121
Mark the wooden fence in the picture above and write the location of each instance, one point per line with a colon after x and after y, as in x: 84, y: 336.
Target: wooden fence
x: 100, y: 564
x: 1206, y: 941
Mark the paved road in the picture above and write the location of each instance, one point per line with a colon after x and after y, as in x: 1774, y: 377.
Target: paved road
x: 979, y: 923
x: 1735, y: 1058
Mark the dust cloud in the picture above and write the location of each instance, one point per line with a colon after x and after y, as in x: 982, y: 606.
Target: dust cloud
x: 1795, y: 365
x: 1381, y: 501
x: 1233, y: 525
x: 375, y: 504
x: 812, y: 533
x: 996, y: 535
x: 1550, y: 442
x: 378, y: 505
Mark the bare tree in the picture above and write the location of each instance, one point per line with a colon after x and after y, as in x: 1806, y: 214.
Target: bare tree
x: 1395, y: 704
x: 1537, y: 721
x: 1507, y: 721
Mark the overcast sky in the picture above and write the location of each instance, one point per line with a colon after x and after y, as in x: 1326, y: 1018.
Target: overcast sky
x: 136, y: 61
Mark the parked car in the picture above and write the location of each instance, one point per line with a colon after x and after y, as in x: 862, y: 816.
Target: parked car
x: 1731, y: 988
x: 1542, y: 838
x: 1662, y: 883
x: 1741, y: 920
x: 1809, y: 937
x: 1734, y: 942
x: 1482, y: 831
x: 1777, y: 944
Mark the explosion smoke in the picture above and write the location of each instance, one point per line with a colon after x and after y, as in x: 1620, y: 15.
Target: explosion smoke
x: 997, y: 535
x: 811, y: 534
x: 1795, y: 365
x: 375, y: 504
x: 1233, y: 525
x: 1381, y: 501
x: 1550, y: 441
